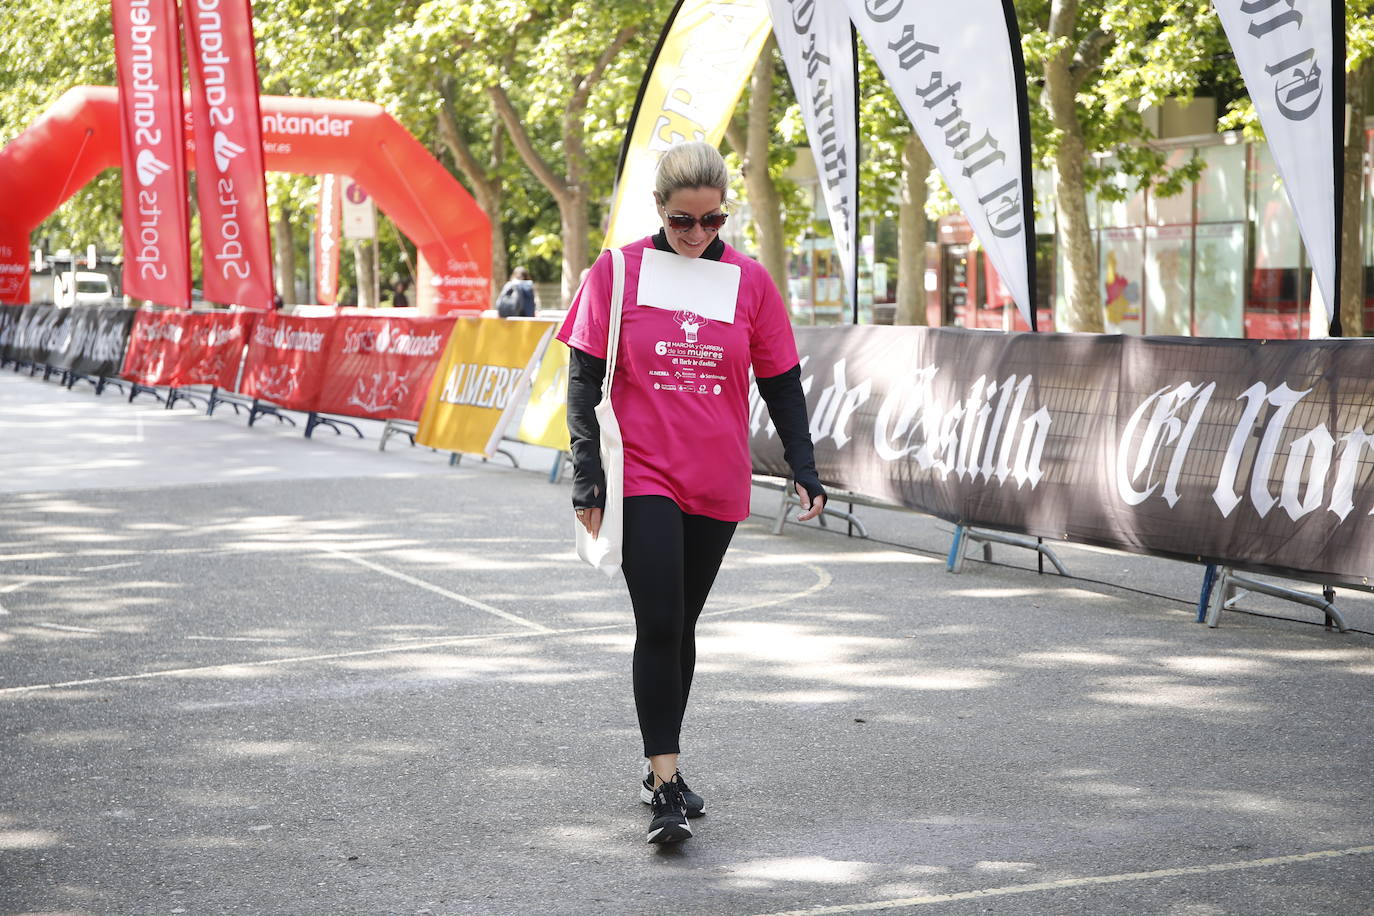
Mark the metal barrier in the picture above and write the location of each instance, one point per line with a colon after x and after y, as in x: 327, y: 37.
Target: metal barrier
x: 790, y: 498
x: 397, y: 428
x: 318, y: 419
x: 964, y: 536
x: 1223, y: 588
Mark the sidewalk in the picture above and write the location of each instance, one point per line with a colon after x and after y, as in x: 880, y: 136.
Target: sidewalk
x: 241, y: 671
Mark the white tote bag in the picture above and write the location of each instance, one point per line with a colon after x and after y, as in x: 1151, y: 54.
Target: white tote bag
x: 603, y: 551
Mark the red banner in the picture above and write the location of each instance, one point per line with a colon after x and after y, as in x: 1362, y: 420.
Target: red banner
x: 381, y: 368
x: 14, y: 266
x: 157, y: 261
x: 327, y: 225
x: 236, y: 244
x: 287, y: 357
x: 154, y: 346
x: 211, y: 348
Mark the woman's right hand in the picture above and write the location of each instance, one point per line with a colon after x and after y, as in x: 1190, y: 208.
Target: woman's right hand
x: 591, y: 520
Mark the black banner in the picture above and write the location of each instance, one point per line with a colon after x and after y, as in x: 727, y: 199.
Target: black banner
x: 32, y: 336
x: 93, y: 339
x: 1256, y: 454
x: 86, y: 339
x: 10, y: 316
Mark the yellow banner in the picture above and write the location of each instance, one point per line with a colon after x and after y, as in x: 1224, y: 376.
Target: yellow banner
x: 546, y: 415
x: 480, y: 383
x: 703, y: 64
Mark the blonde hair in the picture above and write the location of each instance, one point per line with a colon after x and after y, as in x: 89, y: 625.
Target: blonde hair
x: 690, y: 165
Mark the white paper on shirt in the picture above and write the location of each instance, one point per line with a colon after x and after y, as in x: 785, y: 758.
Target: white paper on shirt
x: 705, y: 287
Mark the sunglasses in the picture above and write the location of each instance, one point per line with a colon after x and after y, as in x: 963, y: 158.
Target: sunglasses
x: 681, y: 222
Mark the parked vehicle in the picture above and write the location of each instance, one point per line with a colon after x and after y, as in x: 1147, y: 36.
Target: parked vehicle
x: 88, y: 286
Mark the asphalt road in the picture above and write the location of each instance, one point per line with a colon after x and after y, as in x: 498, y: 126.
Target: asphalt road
x: 243, y: 672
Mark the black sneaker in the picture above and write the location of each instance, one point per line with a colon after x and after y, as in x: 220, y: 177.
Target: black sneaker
x: 670, y: 817
x: 694, y: 803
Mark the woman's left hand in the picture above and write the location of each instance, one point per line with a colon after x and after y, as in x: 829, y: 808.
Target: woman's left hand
x: 591, y: 520
x: 813, y: 507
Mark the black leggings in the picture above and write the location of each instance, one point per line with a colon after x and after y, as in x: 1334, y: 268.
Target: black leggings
x: 670, y: 560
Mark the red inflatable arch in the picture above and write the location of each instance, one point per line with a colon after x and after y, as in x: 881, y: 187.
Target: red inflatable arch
x: 79, y: 137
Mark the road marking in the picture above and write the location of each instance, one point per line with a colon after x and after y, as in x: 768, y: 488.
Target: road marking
x: 419, y: 646
x: 1010, y: 889
x: 823, y: 580
x: 275, y: 662
x: 237, y: 638
x: 63, y: 627
x: 420, y: 583
x: 107, y: 566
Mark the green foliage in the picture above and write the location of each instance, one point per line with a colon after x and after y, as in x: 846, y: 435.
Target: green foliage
x: 785, y: 144
x: 415, y: 57
x: 48, y: 48
x: 1131, y: 56
x: 885, y: 130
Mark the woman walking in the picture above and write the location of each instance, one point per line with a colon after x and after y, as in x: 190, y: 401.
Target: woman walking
x: 681, y: 396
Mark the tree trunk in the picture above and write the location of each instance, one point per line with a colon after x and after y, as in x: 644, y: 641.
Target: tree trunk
x: 572, y: 214
x: 365, y: 262
x: 286, y: 257
x: 570, y: 189
x: 1083, y: 311
x: 486, y: 187
x: 912, y: 230
x: 758, y: 183
x: 1351, y: 295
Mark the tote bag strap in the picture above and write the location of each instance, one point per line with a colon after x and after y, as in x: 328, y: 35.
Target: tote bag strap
x: 617, y: 310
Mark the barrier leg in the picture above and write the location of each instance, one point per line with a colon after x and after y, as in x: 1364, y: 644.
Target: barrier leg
x: 216, y: 399
x: 789, y: 498
x: 393, y: 427
x: 955, y: 561
x: 176, y: 394
x: 988, y: 538
x: 1221, y: 594
x: 1234, y: 587
x: 259, y: 409
x: 556, y: 472
x: 313, y: 419
x: 135, y: 389
x: 1209, y: 578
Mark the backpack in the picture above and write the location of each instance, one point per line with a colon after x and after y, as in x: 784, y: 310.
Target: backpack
x: 508, y: 303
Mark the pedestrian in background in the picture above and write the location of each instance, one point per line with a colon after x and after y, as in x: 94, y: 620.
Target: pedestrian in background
x: 687, y: 470
x: 517, y: 299
x: 399, y: 299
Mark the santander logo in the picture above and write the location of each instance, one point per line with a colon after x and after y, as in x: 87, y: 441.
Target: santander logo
x: 225, y: 150
x: 149, y: 167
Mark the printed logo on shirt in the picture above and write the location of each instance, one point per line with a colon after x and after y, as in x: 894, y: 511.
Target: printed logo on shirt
x: 691, y: 323
x: 692, y: 366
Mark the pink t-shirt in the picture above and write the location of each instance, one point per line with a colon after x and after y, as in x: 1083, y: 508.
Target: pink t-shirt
x: 681, y: 387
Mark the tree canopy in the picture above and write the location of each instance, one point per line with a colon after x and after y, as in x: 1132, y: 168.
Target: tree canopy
x: 527, y: 101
